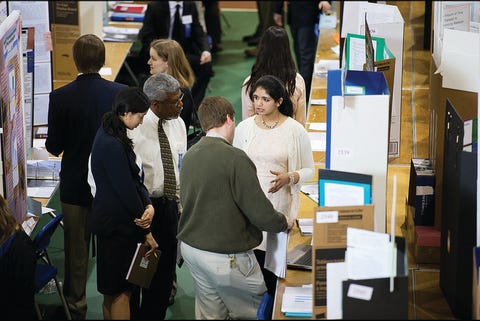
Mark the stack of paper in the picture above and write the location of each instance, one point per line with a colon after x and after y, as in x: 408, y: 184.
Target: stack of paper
x: 119, y: 34
x: 305, y: 225
x: 297, y: 301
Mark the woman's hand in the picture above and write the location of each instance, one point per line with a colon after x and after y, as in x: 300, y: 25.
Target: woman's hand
x: 283, y: 179
x: 279, y: 181
x: 150, y: 242
x: 146, y: 220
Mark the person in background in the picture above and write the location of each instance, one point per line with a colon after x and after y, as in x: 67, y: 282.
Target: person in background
x: 212, y: 23
x: 275, y: 58
x: 74, y: 114
x: 167, y: 56
x: 302, y: 17
x: 121, y: 211
x: 265, y: 20
x: 280, y: 149
x: 224, y: 212
x: 159, y: 22
x: 17, y: 268
x: 165, y: 96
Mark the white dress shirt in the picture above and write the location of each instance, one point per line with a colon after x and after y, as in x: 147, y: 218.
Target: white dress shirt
x: 147, y: 146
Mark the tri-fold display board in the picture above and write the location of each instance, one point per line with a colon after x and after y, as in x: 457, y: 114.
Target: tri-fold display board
x: 384, y: 21
x: 357, y: 130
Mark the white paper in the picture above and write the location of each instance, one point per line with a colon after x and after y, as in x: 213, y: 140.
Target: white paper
x: 336, y: 273
x: 460, y: 62
x: 318, y: 126
x: 369, y: 255
x: 297, y: 299
x: 343, y: 194
x: 276, y: 253
x: 318, y: 141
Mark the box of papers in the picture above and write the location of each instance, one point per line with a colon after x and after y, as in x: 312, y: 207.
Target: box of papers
x: 143, y: 269
x: 330, y: 240
x: 421, y: 191
x: 331, y: 223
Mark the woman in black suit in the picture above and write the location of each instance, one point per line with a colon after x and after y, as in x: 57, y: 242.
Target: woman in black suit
x: 121, y: 210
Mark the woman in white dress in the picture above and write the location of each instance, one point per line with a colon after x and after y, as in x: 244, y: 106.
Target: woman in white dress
x: 281, y: 150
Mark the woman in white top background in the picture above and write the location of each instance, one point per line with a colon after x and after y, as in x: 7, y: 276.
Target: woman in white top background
x: 275, y: 58
x: 281, y: 150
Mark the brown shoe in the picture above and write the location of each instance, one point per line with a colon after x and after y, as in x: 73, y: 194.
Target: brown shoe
x: 251, y: 52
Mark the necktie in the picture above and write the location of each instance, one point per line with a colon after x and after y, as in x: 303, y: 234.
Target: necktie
x: 177, y: 30
x: 169, y: 182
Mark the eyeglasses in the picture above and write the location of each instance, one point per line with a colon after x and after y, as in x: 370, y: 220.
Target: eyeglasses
x: 179, y: 99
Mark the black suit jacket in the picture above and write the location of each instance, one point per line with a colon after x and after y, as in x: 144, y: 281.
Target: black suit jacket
x: 300, y: 13
x: 156, y: 25
x: 75, y: 113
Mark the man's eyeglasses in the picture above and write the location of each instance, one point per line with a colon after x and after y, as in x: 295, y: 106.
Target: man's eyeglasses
x: 179, y: 99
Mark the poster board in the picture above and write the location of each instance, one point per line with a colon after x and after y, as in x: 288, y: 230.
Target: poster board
x: 384, y: 21
x: 11, y: 91
x: 35, y: 14
x: 357, y: 130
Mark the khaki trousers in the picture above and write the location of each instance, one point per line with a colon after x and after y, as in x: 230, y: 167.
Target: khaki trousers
x: 76, y: 242
x: 222, y: 290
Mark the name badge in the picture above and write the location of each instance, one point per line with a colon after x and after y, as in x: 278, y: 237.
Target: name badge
x: 187, y: 19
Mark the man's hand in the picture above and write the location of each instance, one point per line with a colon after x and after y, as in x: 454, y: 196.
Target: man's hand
x: 324, y: 6
x: 205, y: 57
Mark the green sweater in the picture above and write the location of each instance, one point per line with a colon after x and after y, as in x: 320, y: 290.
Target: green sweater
x: 224, y: 207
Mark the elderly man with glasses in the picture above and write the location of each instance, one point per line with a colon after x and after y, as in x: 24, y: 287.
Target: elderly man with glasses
x: 160, y: 142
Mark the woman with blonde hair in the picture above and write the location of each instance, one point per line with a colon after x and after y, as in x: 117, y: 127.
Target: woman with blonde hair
x: 167, y: 56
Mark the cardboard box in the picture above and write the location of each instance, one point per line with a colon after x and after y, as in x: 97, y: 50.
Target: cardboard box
x: 421, y: 189
x: 427, y: 245
x: 331, y: 222
x: 330, y: 241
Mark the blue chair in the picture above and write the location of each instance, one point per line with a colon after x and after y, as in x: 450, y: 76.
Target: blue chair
x: 45, y: 271
x: 265, y: 309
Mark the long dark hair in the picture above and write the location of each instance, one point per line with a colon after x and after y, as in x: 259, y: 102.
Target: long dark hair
x: 275, y: 89
x: 274, y: 58
x: 131, y: 99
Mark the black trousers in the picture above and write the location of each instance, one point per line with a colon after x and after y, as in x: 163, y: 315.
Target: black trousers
x: 203, y: 73
x: 269, y: 277
x: 154, y: 300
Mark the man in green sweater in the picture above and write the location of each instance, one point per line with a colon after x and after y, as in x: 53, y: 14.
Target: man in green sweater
x: 224, y: 214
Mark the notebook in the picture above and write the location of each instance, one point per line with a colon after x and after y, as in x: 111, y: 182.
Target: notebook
x: 300, y: 257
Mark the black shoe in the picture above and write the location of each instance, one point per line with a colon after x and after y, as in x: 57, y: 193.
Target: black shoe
x: 251, y: 52
x: 253, y: 41
x: 216, y: 48
x: 249, y: 37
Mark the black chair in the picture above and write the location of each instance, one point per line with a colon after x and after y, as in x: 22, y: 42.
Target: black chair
x: 45, y: 271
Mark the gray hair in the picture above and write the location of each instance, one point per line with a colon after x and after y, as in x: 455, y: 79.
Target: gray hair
x: 159, y: 86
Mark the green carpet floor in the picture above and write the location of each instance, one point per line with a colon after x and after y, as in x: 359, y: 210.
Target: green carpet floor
x: 230, y: 67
